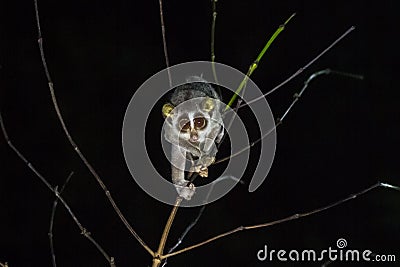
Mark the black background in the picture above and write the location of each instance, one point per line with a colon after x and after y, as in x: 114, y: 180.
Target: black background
x: 340, y: 138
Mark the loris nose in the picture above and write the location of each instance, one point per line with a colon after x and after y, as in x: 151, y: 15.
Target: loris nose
x: 193, y: 136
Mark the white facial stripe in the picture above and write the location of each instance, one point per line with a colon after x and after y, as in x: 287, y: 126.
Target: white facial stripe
x: 191, y: 118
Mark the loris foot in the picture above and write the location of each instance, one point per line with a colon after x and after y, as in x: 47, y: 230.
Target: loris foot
x: 186, y: 192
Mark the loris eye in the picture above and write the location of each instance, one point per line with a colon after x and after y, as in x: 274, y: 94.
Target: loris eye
x: 199, y: 123
x: 184, y: 125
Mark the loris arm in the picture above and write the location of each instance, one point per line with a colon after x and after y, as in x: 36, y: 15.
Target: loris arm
x: 208, y: 151
x: 178, y: 161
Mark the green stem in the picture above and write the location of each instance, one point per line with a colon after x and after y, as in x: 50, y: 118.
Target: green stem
x: 258, y: 59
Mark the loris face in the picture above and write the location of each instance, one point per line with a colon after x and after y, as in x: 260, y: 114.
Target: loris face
x: 191, y: 120
x: 192, y: 126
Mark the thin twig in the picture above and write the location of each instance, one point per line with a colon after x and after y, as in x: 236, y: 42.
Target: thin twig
x: 187, y: 230
x: 296, y: 98
x: 55, y: 192
x: 289, y: 218
x: 164, y: 38
x: 75, y: 147
x: 302, y: 68
x: 201, y: 211
x: 53, y: 213
x: 214, y: 18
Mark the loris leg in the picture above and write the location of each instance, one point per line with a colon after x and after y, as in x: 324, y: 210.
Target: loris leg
x: 178, y: 162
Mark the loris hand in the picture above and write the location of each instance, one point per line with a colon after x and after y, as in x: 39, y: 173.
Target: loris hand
x: 201, y: 170
x: 202, y: 165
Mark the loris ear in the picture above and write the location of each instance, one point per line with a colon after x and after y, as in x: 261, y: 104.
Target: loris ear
x: 167, y: 110
x: 208, y: 104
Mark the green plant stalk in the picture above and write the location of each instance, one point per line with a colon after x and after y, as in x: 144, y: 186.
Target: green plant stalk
x: 256, y: 62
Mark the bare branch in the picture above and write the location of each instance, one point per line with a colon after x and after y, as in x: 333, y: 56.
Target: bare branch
x: 194, y: 222
x: 53, y: 213
x: 286, y: 219
x: 157, y: 256
x: 296, y: 98
x: 55, y: 192
x: 214, y: 18
x: 75, y: 147
x: 302, y: 68
x: 164, y: 38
